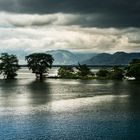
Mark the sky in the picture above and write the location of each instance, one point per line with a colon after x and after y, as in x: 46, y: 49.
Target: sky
x: 75, y: 25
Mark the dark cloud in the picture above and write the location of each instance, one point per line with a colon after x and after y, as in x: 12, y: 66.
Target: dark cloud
x: 70, y: 6
x: 115, y: 13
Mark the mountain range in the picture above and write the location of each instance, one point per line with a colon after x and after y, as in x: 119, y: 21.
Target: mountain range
x: 65, y: 57
x: 118, y: 58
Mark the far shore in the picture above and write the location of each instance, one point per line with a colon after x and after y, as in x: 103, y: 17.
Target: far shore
x: 92, y: 66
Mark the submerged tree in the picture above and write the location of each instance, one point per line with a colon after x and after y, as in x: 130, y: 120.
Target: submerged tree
x: 84, y: 71
x: 117, y: 73
x: 66, y: 72
x: 8, y: 65
x: 133, y: 70
x: 39, y: 63
x: 103, y: 73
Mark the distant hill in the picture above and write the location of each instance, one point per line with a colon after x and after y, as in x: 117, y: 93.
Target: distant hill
x: 82, y: 56
x: 118, y: 58
x: 64, y: 57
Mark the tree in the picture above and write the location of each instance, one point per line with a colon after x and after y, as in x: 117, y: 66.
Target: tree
x: 66, y: 72
x: 84, y: 71
x: 133, y: 70
x: 103, y: 73
x: 39, y: 63
x: 117, y: 73
x: 8, y: 65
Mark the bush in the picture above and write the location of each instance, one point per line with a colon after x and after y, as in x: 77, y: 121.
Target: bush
x: 66, y: 72
x: 84, y: 71
x: 103, y: 73
x: 117, y: 73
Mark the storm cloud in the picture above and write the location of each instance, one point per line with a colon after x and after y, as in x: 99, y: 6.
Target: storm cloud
x: 111, y: 13
x: 76, y: 25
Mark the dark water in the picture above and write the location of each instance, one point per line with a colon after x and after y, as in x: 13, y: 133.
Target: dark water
x: 69, y: 109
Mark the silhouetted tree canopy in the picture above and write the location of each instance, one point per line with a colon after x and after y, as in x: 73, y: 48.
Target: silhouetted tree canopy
x: 133, y: 70
x: 103, y: 73
x: 8, y: 65
x: 39, y: 63
x: 117, y: 73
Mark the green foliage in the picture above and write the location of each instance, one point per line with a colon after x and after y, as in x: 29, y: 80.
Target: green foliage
x: 117, y: 73
x: 66, y: 72
x: 104, y: 73
x: 84, y: 71
x: 81, y: 71
x: 133, y: 70
x: 39, y: 63
x: 8, y: 65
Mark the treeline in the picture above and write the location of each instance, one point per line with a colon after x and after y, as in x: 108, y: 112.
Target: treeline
x: 40, y: 63
x: 116, y: 72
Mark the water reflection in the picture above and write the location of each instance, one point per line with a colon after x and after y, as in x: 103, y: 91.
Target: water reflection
x: 8, y: 85
x: 75, y: 109
x: 133, y: 89
x: 8, y: 92
x: 39, y: 92
x: 17, y: 93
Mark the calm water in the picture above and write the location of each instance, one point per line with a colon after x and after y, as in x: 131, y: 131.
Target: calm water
x: 69, y: 109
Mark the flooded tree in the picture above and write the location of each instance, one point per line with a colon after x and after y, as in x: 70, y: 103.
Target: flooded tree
x: 103, y: 73
x: 8, y: 65
x: 117, y: 73
x: 84, y: 71
x: 66, y: 72
x: 39, y: 63
x: 133, y: 70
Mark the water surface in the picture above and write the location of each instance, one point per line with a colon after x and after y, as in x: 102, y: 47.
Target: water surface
x: 69, y: 109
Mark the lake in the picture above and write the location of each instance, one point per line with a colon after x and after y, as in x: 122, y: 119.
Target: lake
x: 59, y: 109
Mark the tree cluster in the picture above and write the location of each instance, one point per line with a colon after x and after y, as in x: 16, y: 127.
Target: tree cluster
x: 39, y: 63
x: 80, y: 71
x: 113, y: 73
x: 116, y: 72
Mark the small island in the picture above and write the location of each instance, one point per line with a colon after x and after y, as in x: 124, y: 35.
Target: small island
x: 132, y: 71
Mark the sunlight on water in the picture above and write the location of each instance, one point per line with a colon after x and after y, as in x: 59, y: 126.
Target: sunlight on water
x: 76, y: 109
x: 74, y: 104
x: 68, y: 105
